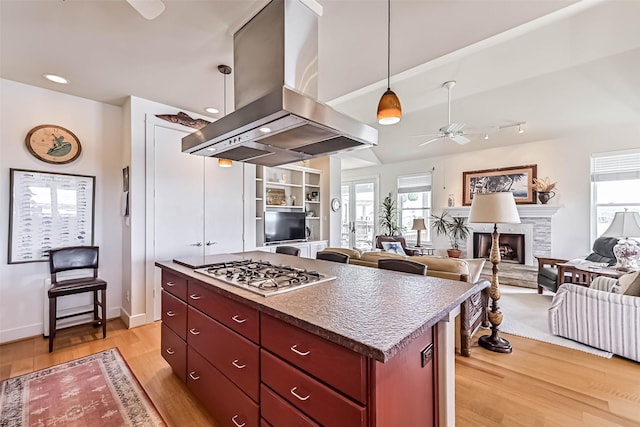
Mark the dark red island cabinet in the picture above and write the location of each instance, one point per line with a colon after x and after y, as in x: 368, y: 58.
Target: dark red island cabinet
x: 251, y: 369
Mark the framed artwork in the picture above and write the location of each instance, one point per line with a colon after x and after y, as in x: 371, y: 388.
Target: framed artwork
x: 53, y: 144
x: 48, y: 210
x: 516, y: 179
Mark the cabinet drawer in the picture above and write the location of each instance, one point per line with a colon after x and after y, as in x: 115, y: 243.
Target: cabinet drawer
x: 336, y: 365
x: 234, y: 356
x: 174, y: 351
x: 174, y: 284
x: 174, y: 314
x: 279, y: 413
x: 236, y: 316
x: 226, y: 402
x: 320, y: 402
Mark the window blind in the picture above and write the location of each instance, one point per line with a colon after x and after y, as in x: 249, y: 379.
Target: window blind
x: 616, y: 167
x: 414, y: 184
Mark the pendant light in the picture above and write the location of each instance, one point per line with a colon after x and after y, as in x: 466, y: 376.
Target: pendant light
x: 225, y: 70
x: 389, y: 109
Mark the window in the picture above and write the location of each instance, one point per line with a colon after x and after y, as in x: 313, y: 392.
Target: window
x: 414, y: 201
x: 615, y: 180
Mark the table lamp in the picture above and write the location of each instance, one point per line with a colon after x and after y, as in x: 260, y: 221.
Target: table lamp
x: 418, y: 225
x: 625, y: 225
x: 494, y: 208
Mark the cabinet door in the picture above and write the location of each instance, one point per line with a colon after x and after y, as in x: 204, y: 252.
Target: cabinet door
x: 226, y: 402
x: 178, y: 202
x: 223, y: 207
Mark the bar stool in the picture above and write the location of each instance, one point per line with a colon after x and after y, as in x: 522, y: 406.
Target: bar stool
x: 76, y: 258
x: 288, y: 250
x: 333, y: 256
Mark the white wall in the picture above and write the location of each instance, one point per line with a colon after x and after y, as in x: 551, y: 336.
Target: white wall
x: 565, y: 160
x: 99, y: 128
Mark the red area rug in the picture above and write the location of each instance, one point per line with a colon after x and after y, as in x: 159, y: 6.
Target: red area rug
x: 97, y: 390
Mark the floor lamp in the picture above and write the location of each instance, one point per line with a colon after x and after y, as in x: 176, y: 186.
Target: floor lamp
x: 494, y: 208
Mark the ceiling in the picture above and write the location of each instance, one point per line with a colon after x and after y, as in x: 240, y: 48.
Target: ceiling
x: 558, y: 65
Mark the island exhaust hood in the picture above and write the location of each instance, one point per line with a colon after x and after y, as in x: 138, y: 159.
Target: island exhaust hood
x: 277, y: 119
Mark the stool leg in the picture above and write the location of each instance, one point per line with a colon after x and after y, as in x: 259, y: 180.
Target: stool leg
x: 95, y: 305
x: 104, y: 313
x: 52, y: 321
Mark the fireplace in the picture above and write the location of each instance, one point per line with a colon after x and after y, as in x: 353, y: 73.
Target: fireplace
x: 512, y: 246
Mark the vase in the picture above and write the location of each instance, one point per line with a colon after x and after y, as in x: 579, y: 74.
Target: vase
x: 454, y: 253
x: 545, y: 196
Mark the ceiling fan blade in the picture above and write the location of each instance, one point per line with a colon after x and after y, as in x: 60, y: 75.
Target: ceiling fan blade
x: 149, y: 9
x: 426, y: 135
x: 429, y: 141
x: 455, y: 127
x: 459, y: 139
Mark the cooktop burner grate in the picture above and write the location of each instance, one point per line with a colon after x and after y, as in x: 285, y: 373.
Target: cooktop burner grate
x: 262, y: 277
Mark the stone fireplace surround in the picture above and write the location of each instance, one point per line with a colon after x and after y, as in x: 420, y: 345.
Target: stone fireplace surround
x: 535, y: 225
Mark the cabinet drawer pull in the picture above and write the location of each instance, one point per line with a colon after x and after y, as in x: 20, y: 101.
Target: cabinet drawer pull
x: 193, y: 376
x: 170, y: 351
x: 301, y: 353
x: 170, y: 313
x: 238, y: 320
x: 236, y: 423
x: 194, y: 331
x: 195, y: 296
x: 170, y: 284
x: 293, y: 391
x: 237, y: 365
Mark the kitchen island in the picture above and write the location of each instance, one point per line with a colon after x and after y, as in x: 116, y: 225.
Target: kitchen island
x: 369, y: 348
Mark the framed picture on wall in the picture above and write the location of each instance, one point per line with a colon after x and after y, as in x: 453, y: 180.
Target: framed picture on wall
x: 49, y: 210
x: 516, y: 179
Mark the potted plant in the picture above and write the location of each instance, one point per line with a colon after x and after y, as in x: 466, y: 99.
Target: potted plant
x: 544, y: 187
x: 387, y: 221
x: 455, y: 228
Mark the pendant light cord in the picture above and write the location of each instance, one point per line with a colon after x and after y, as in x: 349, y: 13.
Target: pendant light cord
x: 388, y: 44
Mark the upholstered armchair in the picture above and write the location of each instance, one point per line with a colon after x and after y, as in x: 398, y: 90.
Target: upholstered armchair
x: 403, y: 243
x: 603, y: 315
x: 548, y: 267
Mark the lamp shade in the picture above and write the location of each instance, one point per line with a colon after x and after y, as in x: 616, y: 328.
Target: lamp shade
x: 389, y: 109
x: 418, y: 224
x: 225, y: 163
x: 624, y: 224
x: 494, y: 208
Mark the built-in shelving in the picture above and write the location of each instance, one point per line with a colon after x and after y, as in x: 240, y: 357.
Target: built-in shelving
x: 298, y: 187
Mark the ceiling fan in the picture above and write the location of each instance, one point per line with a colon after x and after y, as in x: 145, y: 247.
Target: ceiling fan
x: 149, y: 9
x: 453, y: 131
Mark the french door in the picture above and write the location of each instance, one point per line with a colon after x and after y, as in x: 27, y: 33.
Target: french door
x: 359, y: 201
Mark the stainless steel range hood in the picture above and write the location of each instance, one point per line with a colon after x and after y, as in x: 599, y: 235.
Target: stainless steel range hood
x: 277, y: 119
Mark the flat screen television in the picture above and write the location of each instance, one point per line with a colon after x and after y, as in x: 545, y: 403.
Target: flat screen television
x: 284, y: 226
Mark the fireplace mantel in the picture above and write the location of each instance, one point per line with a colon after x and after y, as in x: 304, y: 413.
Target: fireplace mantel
x: 525, y: 211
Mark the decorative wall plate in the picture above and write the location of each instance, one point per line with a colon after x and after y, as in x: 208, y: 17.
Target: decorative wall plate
x: 53, y: 144
x: 335, y: 204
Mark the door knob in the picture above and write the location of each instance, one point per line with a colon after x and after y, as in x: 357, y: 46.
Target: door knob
x: 210, y: 243
x: 196, y: 244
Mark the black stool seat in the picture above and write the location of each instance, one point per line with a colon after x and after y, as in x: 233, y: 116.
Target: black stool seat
x: 76, y: 258
x: 76, y: 286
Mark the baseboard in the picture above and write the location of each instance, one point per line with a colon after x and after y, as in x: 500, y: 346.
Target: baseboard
x: 35, y: 329
x: 133, y: 321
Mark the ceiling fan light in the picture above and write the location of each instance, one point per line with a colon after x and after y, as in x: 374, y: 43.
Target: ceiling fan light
x: 389, y: 109
x: 149, y: 9
x: 486, y: 136
x: 225, y: 163
x: 520, y: 128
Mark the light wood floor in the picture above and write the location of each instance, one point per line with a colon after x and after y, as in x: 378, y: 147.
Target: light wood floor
x: 538, y: 384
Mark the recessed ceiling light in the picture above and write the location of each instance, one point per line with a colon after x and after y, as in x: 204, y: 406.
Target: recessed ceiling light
x: 486, y: 136
x: 265, y: 129
x: 55, y: 79
x: 211, y: 149
x: 212, y: 110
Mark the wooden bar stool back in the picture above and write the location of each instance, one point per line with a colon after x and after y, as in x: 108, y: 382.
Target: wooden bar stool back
x: 76, y: 258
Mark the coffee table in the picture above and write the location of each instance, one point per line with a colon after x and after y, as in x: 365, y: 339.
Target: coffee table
x: 584, y: 273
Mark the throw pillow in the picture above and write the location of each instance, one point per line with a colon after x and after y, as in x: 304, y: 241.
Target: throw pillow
x: 629, y: 284
x: 395, y: 247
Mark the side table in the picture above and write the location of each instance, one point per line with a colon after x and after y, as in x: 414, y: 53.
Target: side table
x: 424, y: 250
x: 583, y: 274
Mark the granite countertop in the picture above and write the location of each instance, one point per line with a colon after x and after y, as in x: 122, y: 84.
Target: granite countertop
x: 368, y: 310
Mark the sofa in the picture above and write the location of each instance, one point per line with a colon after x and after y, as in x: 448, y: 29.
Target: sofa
x: 605, y: 315
x: 473, y: 312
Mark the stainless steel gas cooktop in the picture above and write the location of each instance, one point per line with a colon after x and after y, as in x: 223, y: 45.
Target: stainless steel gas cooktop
x: 262, y: 277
